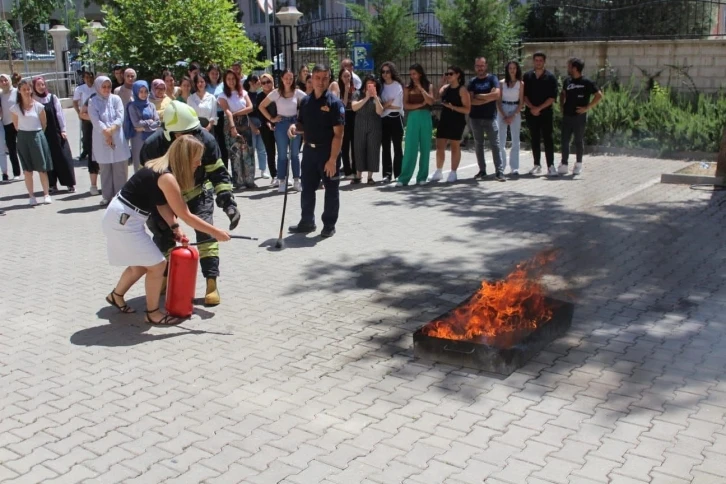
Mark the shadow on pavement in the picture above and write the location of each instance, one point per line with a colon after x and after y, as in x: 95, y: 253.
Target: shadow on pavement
x: 294, y: 241
x: 130, y: 329
x: 641, y: 275
x: 86, y: 209
x: 267, y: 194
x: 8, y: 198
x: 76, y: 196
x: 17, y: 207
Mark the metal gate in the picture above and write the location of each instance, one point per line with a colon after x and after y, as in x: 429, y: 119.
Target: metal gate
x: 283, y: 48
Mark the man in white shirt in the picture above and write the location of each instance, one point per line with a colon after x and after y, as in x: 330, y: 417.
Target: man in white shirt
x: 80, y: 96
x: 347, y: 64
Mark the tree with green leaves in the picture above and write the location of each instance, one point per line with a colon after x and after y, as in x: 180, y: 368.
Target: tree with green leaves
x: 153, y: 35
x: 389, y: 27
x: 35, y: 11
x: 474, y: 28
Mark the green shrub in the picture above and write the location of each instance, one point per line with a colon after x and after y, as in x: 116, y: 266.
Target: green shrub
x: 660, y: 119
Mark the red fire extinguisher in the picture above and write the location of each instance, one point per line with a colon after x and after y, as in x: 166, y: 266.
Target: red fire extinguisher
x: 182, y: 281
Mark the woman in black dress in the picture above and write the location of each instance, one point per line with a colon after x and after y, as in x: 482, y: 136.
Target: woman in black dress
x: 55, y: 133
x: 266, y: 127
x: 456, y: 104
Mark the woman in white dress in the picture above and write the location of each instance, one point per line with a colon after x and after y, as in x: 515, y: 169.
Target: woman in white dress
x: 156, y: 187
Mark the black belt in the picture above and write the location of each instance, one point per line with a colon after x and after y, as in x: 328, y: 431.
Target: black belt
x: 316, y: 146
x: 132, y: 206
x: 510, y: 102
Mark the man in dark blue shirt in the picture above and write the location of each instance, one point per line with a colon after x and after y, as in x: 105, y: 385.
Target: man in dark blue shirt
x: 321, y: 120
x: 484, y: 89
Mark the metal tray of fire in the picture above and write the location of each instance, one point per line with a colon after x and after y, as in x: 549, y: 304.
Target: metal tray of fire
x: 503, y: 354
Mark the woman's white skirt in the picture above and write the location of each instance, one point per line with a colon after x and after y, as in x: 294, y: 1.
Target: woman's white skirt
x: 128, y: 244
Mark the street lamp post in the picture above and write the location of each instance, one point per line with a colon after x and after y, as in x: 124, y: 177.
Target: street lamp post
x: 22, y: 41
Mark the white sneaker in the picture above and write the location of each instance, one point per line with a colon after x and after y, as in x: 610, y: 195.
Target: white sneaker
x: 436, y: 176
x: 578, y: 169
x: 536, y: 170
x: 562, y: 169
x: 452, y: 177
x: 552, y: 171
x: 104, y: 201
x: 296, y: 185
x: 281, y: 187
x: 275, y: 182
x: 32, y: 201
x: 265, y: 175
x: 397, y: 184
x: 423, y: 182
x: 47, y: 200
x: 93, y: 191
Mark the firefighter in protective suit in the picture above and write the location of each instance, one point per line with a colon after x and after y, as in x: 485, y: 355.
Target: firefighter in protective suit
x: 211, y: 179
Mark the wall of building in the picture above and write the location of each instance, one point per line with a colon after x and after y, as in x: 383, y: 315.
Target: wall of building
x: 681, y: 63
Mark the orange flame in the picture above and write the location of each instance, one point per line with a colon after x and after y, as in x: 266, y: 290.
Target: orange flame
x: 500, y: 312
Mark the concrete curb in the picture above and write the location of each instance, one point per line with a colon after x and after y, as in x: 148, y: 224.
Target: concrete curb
x: 683, y: 179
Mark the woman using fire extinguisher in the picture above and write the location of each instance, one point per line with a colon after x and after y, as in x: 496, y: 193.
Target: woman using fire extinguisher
x: 157, y: 186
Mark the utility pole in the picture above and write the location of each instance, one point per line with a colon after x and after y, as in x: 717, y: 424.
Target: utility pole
x: 8, y: 38
x: 721, y: 160
x: 22, y: 39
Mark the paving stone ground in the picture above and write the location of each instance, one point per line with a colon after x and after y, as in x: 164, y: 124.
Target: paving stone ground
x: 306, y: 374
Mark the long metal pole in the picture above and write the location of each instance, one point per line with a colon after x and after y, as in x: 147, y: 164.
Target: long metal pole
x: 22, y: 40
x: 8, y: 39
x: 268, y: 35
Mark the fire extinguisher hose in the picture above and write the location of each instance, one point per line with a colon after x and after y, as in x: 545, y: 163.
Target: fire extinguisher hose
x: 240, y: 237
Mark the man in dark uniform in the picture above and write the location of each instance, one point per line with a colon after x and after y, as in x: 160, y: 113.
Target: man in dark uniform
x: 210, y: 179
x: 324, y: 115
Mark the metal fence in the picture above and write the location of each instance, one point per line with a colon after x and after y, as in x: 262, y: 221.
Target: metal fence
x: 568, y: 20
x: 343, y: 30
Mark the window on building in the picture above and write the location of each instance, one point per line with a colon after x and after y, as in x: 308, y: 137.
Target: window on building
x: 421, y: 5
x: 258, y: 16
x: 364, y: 3
x: 318, y: 13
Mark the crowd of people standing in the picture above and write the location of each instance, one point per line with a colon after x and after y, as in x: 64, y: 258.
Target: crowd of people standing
x: 389, y: 125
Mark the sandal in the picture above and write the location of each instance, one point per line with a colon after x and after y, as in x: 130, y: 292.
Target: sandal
x: 371, y: 182
x: 125, y: 308
x: 167, y: 320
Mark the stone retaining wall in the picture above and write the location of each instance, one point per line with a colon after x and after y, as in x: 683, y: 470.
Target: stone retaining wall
x: 682, y: 64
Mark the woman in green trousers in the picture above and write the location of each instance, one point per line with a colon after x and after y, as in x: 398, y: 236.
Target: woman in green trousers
x: 418, y: 98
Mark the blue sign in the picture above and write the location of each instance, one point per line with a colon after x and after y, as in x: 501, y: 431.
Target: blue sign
x: 362, y: 57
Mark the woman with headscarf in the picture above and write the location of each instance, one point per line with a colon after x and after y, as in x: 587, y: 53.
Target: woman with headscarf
x: 110, y: 148
x: 55, y: 133
x: 8, y: 98
x: 125, y: 91
x: 140, y: 121
x: 159, y: 98
x: 30, y: 120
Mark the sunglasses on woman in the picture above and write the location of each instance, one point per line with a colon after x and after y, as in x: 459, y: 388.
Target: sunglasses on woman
x: 266, y: 82
x: 385, y: 72
x: 450, y: 73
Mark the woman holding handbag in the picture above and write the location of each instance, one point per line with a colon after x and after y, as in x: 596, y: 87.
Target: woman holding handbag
x: 237, y: 105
